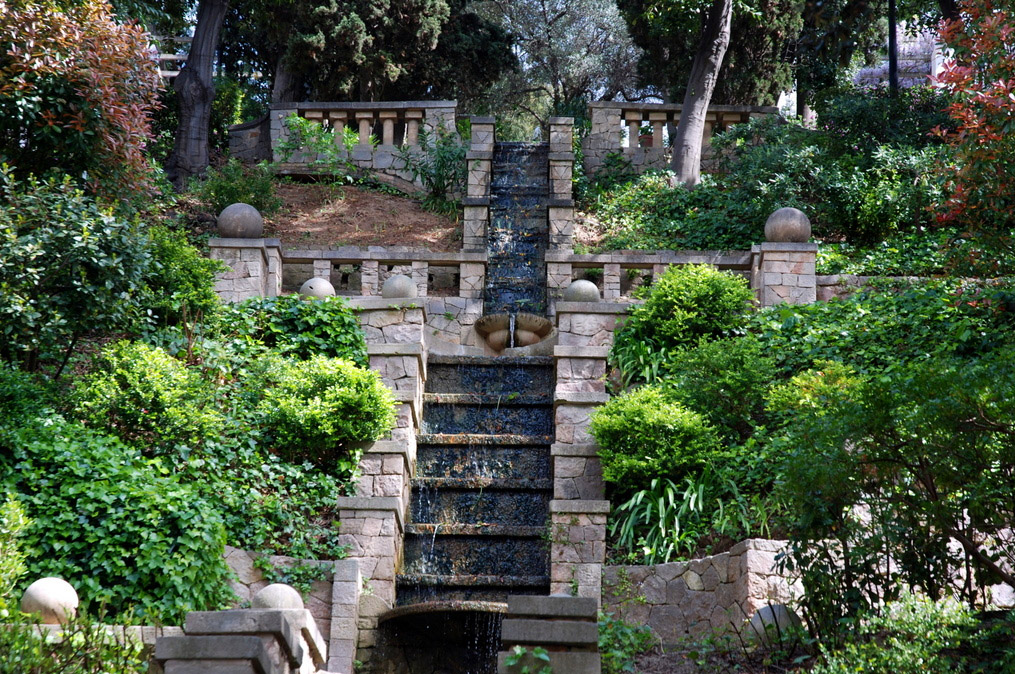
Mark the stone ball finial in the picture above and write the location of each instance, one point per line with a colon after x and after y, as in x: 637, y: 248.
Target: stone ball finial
x: 240, y: 221
x: 788, y: 225
x: 317, y: 287
x: 52, y: 599
x: 773, y: 624
x: 399, y: 286
x: 581, y: 291
x: 277, y: 595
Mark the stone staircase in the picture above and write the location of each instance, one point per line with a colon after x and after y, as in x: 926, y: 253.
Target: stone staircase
x: 480, y: 497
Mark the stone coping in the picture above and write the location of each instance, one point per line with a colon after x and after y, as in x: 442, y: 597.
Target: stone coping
x: 381, y: 503
x: 557, y: 607
x: 598, y: 352
x: 560, y: 156
x: 288, y: 624
x: 559, y: 203
x: 481, y: 155
x: 379, y: 105
x: 794, y: 247
x: 580, y: 398
x: 647, y: 259
x: 476, y: 201
x: 579, y: 506
x: 564, y: 449
x: 229, y: 242
x: 595, y: 307
x: 535, y: 631
x: 377, y: 303
x: 561, y: 120
x: 146, y: 634
x: 408, y: 349
x: 218, y: 647
x: 482, y: 120
x: 676, y: 107
x: 374, y: 253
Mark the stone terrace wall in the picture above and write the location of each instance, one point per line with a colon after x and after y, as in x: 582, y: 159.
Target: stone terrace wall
x: 699, y: 597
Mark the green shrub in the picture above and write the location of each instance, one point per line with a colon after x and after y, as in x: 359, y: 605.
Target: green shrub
x: 67, y: 268
x: 316, y: 145
x: 725, y: 381
x: 314, y: 410
x: 439, y: 163
x: 643, y: 434
x: 22, y: 396
x: 85, y: 647
x: 854, y: 118
x: 912, y: 636
x: 685, y: 304
x: 149, y: 399
x: 183, y: 282
x: 13, y: 523
x: 301, y: 328
x: 114, y: 525
x: 620, y: 642
x: 235, y: 183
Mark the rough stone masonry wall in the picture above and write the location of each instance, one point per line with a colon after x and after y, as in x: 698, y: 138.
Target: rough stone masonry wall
x: 254, y: 268
x: 701, y: 597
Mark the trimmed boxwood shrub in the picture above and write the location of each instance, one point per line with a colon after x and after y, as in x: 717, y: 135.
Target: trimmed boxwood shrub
x: 643, y: 434
x: 314, y: 410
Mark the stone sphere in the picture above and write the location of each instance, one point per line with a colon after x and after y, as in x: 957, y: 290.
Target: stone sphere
x: 53, y: 599
x: 240, y: 221
x: 581, y: 291
x: 788, y: 225
x: 317, y: 287
x: 773, y: 624
x: 277, y: 595
x: 399, y: 286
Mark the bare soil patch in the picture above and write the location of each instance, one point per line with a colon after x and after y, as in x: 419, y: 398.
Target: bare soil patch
x: 316, y: 215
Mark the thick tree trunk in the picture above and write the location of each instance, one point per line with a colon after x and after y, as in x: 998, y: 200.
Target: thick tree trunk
x: 287, y: 87
x: 195, y: 89
x: 715, y: 38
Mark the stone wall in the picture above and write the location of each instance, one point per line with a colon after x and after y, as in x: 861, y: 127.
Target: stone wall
x: 254, y: 268
x: 701, y: 597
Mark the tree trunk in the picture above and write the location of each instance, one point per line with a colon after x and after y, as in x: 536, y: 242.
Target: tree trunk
x: 715, y: 38
x: 287, y: 87
x: 196, y: 91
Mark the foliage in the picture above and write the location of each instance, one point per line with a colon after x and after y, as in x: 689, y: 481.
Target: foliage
x: 754, y: 70
x: 114, y: 525
x: 921, y: 252
x: 724, y: 380
x: 149, y: 399
x: 84, y: 646
x: 302, y: 328
x: 855, y: 117
x: 296, y: 575
x: 13, y: 523
x: 884, y: 327
x: 686, y: 303
x: 76, y: 90
x: 648, y: 213
x: 439, y: 163
x: 320, y: 147
x: 620, y: 642
x: 644, y: 435
x: 315, y: 410
x: 235, y: 183
x: 66, y: 268
x: 182, y: 285
x: 902, y: 464
x: 912, y: 636
x: 524, y: 661
x: 980, y: 192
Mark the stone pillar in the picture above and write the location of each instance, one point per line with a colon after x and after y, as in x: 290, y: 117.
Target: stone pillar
x: 477, y: 191
x: 279, y: 132
x: 338, y: 118
x: 370, y: 278
x: 345, y: 597
x: 420, y: 274
x: 564, y: 626
x: 786, y: 273
x: 604, y: 136
x: 471, y: 279
x: 412, y: 121
x: 365, y: 119
x: 388, y: 118
x: 254, y: 268
x: 561, y: 204
x: 611, y: 281
x: 633, y: 119
x: 658, y: 120
x: 558, y: 278
x: 578, y: 547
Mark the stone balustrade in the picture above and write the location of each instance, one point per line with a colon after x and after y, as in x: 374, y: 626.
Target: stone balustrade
x: 617, y: 128
x: 382, y: 128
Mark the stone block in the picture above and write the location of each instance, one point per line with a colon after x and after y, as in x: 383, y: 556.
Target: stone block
x: 549, y: 632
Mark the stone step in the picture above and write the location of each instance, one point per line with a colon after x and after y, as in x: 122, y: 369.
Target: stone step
x: 484, y: 375
x: 412, y: 592
x: 475, y: 530
x: 473, y: 580
x: 491, y: 399
x: 513, y: 507
x: 478, y: 461
x: 439, y: 418
x: 489, y: 483
x: 480, y: 556
x: 482, y: 439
